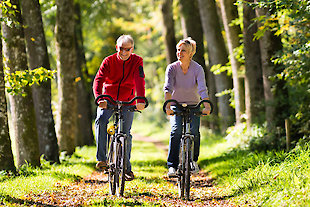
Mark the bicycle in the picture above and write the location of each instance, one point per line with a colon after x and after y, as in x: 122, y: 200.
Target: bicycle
x: 186, y: 145
x: 117, y: 142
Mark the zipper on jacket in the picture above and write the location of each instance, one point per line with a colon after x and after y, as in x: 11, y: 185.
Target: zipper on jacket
x: 119, y: 85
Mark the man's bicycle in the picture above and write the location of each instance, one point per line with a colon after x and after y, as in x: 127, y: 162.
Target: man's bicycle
x: 117, y: 142
x: 186, y: 145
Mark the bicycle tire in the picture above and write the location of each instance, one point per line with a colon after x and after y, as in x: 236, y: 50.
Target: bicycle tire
x: 187, y: 173
x: 112, y: 162
x: 121, y: 165
x: 181, y: 174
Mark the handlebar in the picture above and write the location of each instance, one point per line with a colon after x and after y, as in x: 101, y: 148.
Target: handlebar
x: 183, y: 108
x: 116, y: 102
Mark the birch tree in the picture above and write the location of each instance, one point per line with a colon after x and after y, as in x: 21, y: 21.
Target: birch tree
x: 229, y: 13
x: 192, y: 27
x: 169, y: 32
x: 217, y: 56
x: 6, y: 154
x: 254, y: 92
x: 66, y: 76
x: 22, y: 107
x: 38, y: 57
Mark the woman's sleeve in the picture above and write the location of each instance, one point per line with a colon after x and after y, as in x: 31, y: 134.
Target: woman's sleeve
x: 201, y: 81
x: 169, y: 80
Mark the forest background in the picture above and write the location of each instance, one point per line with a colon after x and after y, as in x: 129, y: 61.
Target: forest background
x: 255, y: 55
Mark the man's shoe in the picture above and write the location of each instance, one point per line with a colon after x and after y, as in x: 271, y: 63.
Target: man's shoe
x: 171, y: 172
x: 101, y: 165
x: 129, y: 176
x: 195, y: 167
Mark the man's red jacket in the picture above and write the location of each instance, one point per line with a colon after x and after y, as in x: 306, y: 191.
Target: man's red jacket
x: 120, y: 79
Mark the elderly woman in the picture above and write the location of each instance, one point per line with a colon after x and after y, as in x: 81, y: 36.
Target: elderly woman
x: 184, y: 82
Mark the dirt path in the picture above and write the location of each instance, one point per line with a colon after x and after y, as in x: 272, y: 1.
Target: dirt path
x: 90, y: 188
x: 158, y: 144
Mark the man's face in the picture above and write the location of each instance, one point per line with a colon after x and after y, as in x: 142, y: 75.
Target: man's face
x: 124, y: 50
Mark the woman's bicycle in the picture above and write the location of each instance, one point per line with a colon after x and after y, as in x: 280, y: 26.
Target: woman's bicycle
x: 186, y: 145
x: 117, y: 142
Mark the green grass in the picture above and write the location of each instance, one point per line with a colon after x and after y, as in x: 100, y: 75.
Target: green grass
x: 272, y: 178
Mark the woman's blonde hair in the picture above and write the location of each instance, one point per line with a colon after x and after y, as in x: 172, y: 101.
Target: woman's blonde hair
x: 189, y: 43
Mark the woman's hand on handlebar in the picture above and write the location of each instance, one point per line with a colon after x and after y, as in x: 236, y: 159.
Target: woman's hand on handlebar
x: 207, y: 108
x: 140, y: 106
x: 206, y: 111
x: 103, y: 104
x: 169, y: 112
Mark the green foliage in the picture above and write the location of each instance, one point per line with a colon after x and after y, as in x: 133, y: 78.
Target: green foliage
x: 8, y: 11
x: 255, y: 138
x: 290, y: 20
x: 20, y: 79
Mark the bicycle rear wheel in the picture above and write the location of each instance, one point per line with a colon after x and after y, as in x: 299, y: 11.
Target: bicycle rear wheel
x: 187, y: 173
x: 181, y: 174
x: 121, y: 165
x: 112, y: 165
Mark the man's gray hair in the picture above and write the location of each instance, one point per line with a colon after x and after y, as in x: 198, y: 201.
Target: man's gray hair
x: 124, y: 38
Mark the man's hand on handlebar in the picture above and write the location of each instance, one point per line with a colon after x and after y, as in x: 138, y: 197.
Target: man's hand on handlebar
x: 140, y: 106
x: 103, y: 104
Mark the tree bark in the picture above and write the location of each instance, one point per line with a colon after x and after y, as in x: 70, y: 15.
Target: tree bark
x: 38, y: 57
x: 253, y: 75
x: 22, y: 107
x: 229, y: 13
x: 269, y: 45
x: 192, y: 27
x: 169, y: 32
x: 66, y: 127
x: 6, y: 154
x: 217, y: 55
x: 84, y: 133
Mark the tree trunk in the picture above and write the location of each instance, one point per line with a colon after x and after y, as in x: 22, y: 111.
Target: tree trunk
x: 253, y: 75
x: 229, y: 13
x: 6, y: 155
x: 169, y: 33
x: 66, y: 76
x: 38, y: 57
x: 84, y: 133
x: 269, y: 45
x: 22, y: 107
x: 217, y: 55
x: 192, y: 27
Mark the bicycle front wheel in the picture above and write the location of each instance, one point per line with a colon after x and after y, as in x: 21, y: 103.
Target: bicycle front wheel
x: 112, y: 165
x: 181, y: 170
x: 121, y: 165
x: 187, y: 176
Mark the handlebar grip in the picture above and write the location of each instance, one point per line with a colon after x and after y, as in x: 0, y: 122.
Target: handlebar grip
x: 168, y: 101
x: 142, y: 98
x: 106, y: 97
x: 207, y: 101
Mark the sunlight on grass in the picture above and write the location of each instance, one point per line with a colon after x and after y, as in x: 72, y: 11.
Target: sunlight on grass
x: 23, y: 185
x: 48, y: 177
x: 267, y: 178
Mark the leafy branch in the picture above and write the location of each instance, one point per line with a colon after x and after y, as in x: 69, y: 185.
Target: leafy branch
x: 19, y: 79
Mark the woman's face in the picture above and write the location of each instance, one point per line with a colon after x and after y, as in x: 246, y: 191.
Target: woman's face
x: 124, y: 50
x: 183, y: 53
